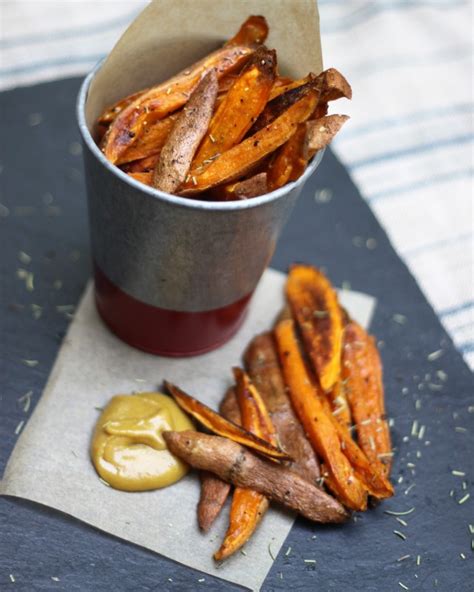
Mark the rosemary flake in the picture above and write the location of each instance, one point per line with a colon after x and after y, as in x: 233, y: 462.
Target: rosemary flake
x: 27, y: 399
x: 270, y: 551
x: 405, y: 513
x: 435, y: 355
x: 30, y: 363
x: 24, y: 257
x: 19, y: 427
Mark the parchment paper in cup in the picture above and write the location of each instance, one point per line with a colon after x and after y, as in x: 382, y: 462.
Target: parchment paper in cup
x: 92, y: 366
x: 170, y: 35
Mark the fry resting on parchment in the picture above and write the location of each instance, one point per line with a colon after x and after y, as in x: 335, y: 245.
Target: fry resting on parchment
x: 237, y: 465
x: 248, y: 506
x: 214, y: 491
x: 223, y: 427
x: 316, y: 309
x: 263, y: 366
x: 317, y: 422
x: 185, y: 136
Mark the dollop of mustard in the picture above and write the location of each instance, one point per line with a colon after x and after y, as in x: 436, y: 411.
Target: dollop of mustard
x: 128, y: 449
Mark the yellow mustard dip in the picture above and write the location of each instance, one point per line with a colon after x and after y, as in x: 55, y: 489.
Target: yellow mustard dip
x: 128, y: 449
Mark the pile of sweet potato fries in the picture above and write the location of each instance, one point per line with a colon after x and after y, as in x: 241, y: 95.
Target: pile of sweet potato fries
x: 229, y: 127
x: 285, y: 430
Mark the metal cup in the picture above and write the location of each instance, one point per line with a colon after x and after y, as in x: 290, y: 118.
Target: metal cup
x: 174, y: 276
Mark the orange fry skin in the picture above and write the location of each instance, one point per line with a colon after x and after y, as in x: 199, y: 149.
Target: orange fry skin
x: 111, y: 112
x: 284, y: 85
x: 144, y: 177
x: 237, y: 161
x: 362, y: 369
x: 245, y: 189
x: 369, y: 472
x: 276, y: 107
x: 223, y: 427
x: 243, y: 103
x: 254, y: 413
x: 290, y: 160
x: 169, y: 96
x: 317, y: 422
x: 143, y: 165
x: 315, y: 306
x: 151, y: 141
x: 253, y: 31
x: 248, y: 507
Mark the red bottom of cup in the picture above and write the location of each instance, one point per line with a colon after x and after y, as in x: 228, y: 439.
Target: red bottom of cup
x: 165, y: 332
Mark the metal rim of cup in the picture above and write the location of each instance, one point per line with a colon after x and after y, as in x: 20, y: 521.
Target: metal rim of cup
x: 176, y: 199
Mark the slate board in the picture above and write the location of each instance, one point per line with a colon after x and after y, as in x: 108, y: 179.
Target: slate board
x: 41, y: 185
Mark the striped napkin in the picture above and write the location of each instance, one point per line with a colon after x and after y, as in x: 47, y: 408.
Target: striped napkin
x: 409, y: 144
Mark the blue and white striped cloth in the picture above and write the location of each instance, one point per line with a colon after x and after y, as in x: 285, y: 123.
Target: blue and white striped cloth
x: 408, y: 146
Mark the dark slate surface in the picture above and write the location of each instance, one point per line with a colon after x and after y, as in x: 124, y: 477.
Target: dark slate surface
x: 41, y: 185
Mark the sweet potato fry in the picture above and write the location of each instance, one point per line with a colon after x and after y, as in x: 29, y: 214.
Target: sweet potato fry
x: 188, y: 131
x: 145, y: 178
x: 247, y: 510
x: 111, y: 112
x: 316, y: 309
x: 167, y: 97
x: 254, y: 413
x: 362, y: 369
x: 283, y: 85
x: 262, y: 364
x: 221, y: 426
x: 214, y: 491
x: 151, y: 141
x: 237, y: 161
x: 283, y: 102
x: 369, y: 472
x: 236, y: 464
x: 253, y: 31
x: 241, y: 106
x: 316, y: 421
x: 143, y: 165
x: 333, y: 86
x: 319, y: 132
x: 251, y: 187
x: 290, y: 161
x: 248, y: 506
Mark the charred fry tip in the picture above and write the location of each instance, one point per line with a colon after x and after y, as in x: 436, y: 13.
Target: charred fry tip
x: 227, y: 429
